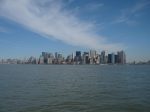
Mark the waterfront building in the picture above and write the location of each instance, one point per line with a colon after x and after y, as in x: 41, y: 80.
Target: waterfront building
x: 111, y: 58
x: 103, y: 58
x: 45, y: 56
x: 60, y: 59
x: 92, y: 56
x: 85, y: 58
x: 50, y: 60
x: 69, y: 59
x: 41, y: 60
x: 32, y: 60
x: 78, y: 58
x: 78, y: 53
x: 121, y: 57
x: 97, y: 59
x: 56, y: 55
x: 116, y: 59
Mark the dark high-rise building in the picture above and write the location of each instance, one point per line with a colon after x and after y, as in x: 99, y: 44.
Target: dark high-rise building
x: 121, y: 57
x: 109, y: 58
x: 85, y: 59
x: 78, y: 59
x: 116, y: 58
x: 45, y: 56
x: 103, y: 58
x: 78, y: 53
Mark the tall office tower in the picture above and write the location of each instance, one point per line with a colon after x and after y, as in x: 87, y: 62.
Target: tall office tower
x: 78, y: 53
x: 69, y: 59
x: 121, y: 57
x: 85, y: 58
x: 106, y: 59
x: 72, y: 58
x: 45, y: 55
x: 113, y: 58
x: 103, y: 58
x: 96, y: 59
x: 50, y: 58
x: 41, y: 60
x: 116, y: 58
x: 109, y: 58
x: 56, y: 55
x: 60, y: 58
x: 92, y: 54
x: 51, y: 55
x: 78, y: 58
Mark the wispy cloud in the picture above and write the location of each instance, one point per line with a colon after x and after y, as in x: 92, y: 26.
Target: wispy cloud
x: 3, y: 30
x: 127, y: 14
x: 49, y: 19
x: 94, y: 6
x: 70, y: 1
x: 88, y: 7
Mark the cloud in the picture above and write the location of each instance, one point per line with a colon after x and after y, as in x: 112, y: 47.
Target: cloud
x: 127, y: 14
x: 90, y: 7
x: 94, y: 6
x: 140, y: 6
x: 70, y: 1
x: 3, y: 30
x: 49, y: 19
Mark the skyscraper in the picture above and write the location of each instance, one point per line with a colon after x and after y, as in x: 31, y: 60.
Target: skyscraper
x: 102, y: 58
x: 85, y: 59
x: 78, y: 53
x: 78, y: 58
x: 116, y: 58
x: 92, y: 54
x: 121, y: 57
x: 113, y: 58
x: 41, y: 60
x: 109, y: 58
x: 56, y: 55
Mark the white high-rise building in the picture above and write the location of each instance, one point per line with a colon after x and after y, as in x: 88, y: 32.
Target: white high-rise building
x: 41, y: 60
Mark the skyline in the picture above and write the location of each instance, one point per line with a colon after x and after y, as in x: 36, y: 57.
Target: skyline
x: 78, y: 57
x: 67, y: 25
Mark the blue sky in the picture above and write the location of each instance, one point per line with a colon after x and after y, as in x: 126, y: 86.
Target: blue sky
x: 28, y: 27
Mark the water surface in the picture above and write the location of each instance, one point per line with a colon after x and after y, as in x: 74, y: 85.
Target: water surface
x: 74, y: 88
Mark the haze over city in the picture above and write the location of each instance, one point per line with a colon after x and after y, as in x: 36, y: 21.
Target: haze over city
x: 28, y: 27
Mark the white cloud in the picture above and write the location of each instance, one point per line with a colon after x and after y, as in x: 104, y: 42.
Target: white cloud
x: 49, y: 19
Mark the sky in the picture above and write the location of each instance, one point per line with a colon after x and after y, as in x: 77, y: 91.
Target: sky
x: 28, y: 27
